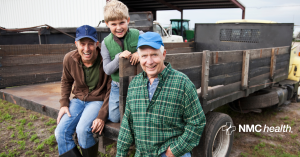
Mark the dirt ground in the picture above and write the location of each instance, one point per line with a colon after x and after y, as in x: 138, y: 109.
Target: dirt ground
x: 263, y: 144
x: 27, y: 133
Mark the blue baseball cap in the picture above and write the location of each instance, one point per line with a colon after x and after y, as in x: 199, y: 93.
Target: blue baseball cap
x: 86, y: 31
x: 151, y: 39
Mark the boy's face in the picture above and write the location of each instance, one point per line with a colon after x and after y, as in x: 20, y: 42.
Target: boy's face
x: 118, y: 27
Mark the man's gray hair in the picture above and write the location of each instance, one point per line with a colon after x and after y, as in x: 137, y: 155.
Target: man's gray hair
x: 162, y: 49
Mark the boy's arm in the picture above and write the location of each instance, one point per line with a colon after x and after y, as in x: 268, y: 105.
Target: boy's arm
x: 109, y: 66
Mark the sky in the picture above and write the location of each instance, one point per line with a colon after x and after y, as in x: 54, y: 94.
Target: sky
x: 281, y: 11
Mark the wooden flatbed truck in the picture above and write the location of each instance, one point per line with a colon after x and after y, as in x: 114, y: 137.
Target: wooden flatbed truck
x: 228, y: 61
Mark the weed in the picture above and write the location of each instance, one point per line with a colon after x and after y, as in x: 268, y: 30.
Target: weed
x: 40, y: 147
x: 47, y: 155
x: 51, y: 149
x: 244, y: 154
x: 36, y: 141
x: 284, y: 118
x: 257, y: 134
x: 22, y: 144
x: 50, y: 141
x: 22, y: 135
x: 3, y: 154
x: 12, y: 135
x: 28, y: 152
x: 33, y: 117
x: 22, y: 121
x: 29, y: 124
x: 52, y: 128
x: 10, y: 127
x: 260, y: 145
x: 50, y: 122
x: 293, y: 136
x: 108, y: 147
x: 33, y: 137
x: 22, y: 111
x: 6, y: 117
x: 292, y: 123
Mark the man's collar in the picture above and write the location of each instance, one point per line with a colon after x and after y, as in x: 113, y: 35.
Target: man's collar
x: 164, y: 74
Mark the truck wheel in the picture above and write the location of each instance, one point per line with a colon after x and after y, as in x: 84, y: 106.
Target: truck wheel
x: 217, y: 137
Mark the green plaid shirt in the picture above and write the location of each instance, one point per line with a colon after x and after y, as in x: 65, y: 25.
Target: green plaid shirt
x: 173, y: 117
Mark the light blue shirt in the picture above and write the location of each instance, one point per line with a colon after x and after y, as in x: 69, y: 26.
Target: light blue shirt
x: 152, y: 88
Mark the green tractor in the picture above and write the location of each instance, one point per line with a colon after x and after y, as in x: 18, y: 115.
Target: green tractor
x: 176, y: 29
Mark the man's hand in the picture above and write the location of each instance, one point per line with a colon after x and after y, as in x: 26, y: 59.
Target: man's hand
x: 169, y: 152
x: 125, y: 54
x: 135, y: 58
x: 98, y: 126
x: 61, y: 112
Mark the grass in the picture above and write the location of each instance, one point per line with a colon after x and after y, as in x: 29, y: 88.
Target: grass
x: 19, y: 136
x: 50, y: 122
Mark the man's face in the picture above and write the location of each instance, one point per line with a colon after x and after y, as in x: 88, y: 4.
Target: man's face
x: 87, y: 49
x: 152, y: 61
x: 118, y: 27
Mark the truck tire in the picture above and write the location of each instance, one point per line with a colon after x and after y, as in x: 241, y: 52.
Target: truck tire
x: 260, y: 99
x: 217, y: 137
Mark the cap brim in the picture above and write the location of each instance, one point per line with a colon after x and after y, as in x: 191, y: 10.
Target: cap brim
x: 86, y: 36
x: 151, y: 44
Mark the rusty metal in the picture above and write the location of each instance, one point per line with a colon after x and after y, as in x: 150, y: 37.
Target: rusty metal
x: 30, y: 29
x: 238, y: 4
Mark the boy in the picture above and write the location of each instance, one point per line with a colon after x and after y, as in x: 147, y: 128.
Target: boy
x: 120, y: 43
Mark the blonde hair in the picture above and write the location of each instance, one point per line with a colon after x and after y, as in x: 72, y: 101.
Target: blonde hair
x: 115, y: 10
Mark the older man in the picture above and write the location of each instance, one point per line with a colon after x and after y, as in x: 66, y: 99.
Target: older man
x: 163, y: 115
x: 88, y: 110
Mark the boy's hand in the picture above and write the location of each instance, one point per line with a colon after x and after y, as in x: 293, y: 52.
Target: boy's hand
x: 135, y: 58
x: 125, y: 54
x: 62, y: 111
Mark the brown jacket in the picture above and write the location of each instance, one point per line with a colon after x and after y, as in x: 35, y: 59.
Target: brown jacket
x: 73, y: 73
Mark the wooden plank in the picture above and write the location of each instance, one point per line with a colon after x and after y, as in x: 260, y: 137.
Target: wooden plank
x: 215, y: 103
x: 267, y: 52
x: 260, y: 53
x: 178, y: 45
x: 205, y: 74
x: 122, y: 104
x: 29, y: 79
x: 282, y: 58
x: 219, y: 57
x: 273, y: 64
x: 225, y: 79
x: 185, y: 60
x: 125, y: 68
x: 281, y: 65
x: 180, y: 50
x: 7, y: 50
x: 31, y: 59
x: 21, y: 70
x: 124, y: 83
x: 259, y: 71
x: 223, y: 90
x: 245, y: 69
x: 194, y: 75
x: 224, y: 68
